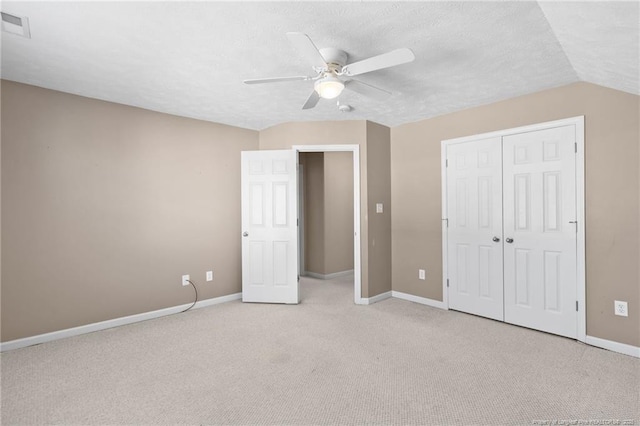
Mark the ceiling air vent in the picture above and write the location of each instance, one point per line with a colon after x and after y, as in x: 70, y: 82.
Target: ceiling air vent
x: 16, y: 25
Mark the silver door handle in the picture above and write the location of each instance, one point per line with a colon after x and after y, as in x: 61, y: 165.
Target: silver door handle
x: 496, y: 239
x: 509, y: 240
x: 245, y: 234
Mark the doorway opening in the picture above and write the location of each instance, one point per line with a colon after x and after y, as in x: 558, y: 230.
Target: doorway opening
x: 333, y: 259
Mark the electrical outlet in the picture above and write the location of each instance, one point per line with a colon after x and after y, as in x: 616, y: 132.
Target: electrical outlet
x: 422, y: 275
x: 209, y: 275
x: 620, y: 308
x: 185, y: 280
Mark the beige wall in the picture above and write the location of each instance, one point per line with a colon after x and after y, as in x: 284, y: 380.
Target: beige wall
x: 314, y: 202
x: 379, y: 181
x: 105, y: 207
x: 338, y: 211
x: 612, y: 194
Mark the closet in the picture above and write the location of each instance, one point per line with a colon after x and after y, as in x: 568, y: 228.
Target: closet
x: 512, y: 224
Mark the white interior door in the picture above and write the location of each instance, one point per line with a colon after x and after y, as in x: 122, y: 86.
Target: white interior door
x: 474, y: 211
x: 540, y: 230
x: 269, y: 227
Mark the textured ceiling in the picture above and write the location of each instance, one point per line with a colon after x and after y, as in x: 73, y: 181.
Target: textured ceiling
x: 189, y: 59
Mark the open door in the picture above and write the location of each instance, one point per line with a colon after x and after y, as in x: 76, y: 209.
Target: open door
x: 269, y: 227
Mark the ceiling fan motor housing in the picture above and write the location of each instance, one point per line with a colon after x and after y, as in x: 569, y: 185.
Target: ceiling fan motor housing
x: 334, y: 56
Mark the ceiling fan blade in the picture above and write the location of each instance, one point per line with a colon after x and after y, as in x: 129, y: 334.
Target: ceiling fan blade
x: 276, y: 79
x: 303, y: 43
x: 312, y: 101
x: 367, y: 90
x: 386, y: 60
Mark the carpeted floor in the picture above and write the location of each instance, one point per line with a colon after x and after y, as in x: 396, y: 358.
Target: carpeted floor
x: 325, y: 361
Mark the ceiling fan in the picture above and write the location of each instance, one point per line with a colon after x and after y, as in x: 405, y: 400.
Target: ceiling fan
x: 331, y: 68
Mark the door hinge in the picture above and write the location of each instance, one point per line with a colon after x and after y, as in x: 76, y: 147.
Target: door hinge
x: 576, y: 306
x: 297, y: 222
x: 446, y: 220
x: 447, y: 282
x: 298, y: 278
x: 575, y: 146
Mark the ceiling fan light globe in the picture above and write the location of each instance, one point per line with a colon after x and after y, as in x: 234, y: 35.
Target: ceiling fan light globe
x: 329, y: 87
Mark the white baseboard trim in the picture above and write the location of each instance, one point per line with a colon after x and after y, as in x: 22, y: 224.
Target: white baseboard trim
x: 377, y: 298
x: 622, y: 348
x: 328, y: 276
x: 116, y: 322
x: 418, y: 299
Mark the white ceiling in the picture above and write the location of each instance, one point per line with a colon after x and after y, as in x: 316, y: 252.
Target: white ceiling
x: 189, y: 58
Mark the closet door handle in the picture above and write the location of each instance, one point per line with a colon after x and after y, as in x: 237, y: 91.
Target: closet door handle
x: 509, y: 240
x: 496, y: 239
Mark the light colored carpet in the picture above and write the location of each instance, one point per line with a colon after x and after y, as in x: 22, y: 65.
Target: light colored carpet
x: 325, y: 361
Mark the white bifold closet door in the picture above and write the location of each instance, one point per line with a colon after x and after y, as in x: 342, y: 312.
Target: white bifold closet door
x: 474, y: 194
x: 511, y: 236
x: 540, y: 251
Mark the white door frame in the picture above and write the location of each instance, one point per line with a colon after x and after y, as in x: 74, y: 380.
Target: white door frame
x: 301, y: 224
x: 355, y: 150
x: 578, y: 122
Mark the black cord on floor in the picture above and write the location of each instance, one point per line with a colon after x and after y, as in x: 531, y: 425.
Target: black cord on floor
x: 194, y: 302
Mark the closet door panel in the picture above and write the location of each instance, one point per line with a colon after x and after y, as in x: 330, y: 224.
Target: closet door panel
x: 540, y: 233
x: 474, y: 209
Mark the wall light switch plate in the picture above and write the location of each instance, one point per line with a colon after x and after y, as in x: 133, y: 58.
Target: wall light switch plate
x: 209, y: 275
x: 379, y: 208
x: 185, y: 280
x: 620, y: 308
x: 422, y: 275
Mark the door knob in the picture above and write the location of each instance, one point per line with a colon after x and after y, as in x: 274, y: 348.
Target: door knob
x: 496, y: 239
x: 509, y: 240
x: 245, y: 234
